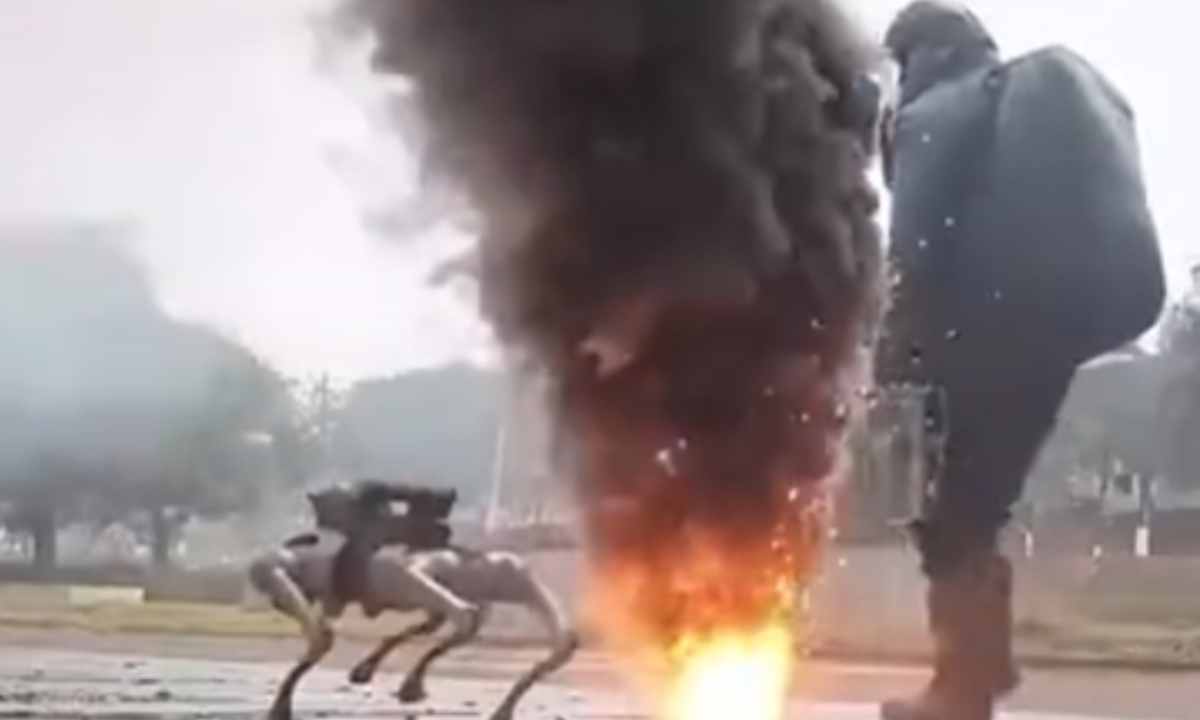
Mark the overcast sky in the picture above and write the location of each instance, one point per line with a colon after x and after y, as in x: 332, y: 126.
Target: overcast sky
x: 206, y: 122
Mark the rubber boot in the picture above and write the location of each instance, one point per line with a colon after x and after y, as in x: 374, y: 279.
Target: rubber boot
x: 970, y: 618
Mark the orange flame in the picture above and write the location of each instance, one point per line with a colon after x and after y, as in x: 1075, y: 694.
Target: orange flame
x: 710, y: 623
x: 731, y: 674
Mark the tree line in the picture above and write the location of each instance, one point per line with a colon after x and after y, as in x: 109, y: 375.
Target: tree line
x: 112, y: 412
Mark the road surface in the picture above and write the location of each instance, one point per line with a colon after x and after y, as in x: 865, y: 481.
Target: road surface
x: 51, y: 675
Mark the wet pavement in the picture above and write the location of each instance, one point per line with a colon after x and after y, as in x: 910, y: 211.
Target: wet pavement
x: 62, y: 684
x: 48, y: 684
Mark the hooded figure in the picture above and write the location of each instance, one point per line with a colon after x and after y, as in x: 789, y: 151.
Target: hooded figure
x: 1023, y: 246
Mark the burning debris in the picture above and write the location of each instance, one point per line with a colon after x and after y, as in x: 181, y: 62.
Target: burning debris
x: 677, y: 230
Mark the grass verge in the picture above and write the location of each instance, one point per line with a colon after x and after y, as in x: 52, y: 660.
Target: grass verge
x: 175, y: 618
x: 1059, y: 643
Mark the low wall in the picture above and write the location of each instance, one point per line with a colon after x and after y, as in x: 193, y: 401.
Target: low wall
x: 865, y: 595
x: 110, y: 574
x: 217, y: 586
x: 40, y: 597
x: 874, y: 597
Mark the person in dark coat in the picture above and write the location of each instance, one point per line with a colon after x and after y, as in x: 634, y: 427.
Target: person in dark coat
x: 996, y: 377
x: 365, y: 515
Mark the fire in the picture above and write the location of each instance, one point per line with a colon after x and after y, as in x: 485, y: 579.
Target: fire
x: 709, y: 629
x: 731, y: 674
x: 704, y: 612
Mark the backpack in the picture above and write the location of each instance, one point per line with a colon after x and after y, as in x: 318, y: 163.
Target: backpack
x: 1021, y: 231
x: 1064, y: 184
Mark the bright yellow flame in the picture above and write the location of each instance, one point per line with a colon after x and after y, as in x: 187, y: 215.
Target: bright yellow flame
x: 732, y: 675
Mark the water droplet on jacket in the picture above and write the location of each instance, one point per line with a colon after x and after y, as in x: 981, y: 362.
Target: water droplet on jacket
x: 663, y: 457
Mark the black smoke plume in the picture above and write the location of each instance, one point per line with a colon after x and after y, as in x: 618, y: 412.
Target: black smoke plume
x: 677, y: 230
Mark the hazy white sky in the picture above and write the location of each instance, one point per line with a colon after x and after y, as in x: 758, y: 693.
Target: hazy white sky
x: 205, y: 121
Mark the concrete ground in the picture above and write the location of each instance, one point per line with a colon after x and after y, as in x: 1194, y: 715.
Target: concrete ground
x: 51, y: 674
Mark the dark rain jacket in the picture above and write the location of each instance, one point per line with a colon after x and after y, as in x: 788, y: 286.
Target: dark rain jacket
x: 1020, y: 233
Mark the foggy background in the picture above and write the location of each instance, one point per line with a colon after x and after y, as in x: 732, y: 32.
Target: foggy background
x: 207, y: 126
x: 198, y: 316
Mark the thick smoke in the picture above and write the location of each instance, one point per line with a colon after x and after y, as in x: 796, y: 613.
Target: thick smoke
x: 677, y: 229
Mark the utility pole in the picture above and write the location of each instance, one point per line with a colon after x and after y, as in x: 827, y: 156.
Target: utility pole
x: 500, y: 451
x: 499, y: 454
x: 323, y: 410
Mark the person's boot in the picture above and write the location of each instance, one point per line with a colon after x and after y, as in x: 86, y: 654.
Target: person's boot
x: 970, y: 618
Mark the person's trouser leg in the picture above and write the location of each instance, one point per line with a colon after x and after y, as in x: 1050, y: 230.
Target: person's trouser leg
x: 991, y: 442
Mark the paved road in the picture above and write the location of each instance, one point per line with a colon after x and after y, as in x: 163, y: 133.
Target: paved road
x: 67, y: 684
x: 38, y: 682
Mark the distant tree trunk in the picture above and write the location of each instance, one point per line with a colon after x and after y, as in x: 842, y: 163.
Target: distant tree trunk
x: 43, y: 529
x: 1146, y: 509
x: 162, y: 537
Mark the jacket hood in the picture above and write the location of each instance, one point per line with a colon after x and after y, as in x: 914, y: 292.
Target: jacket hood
x: 936, y: 41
